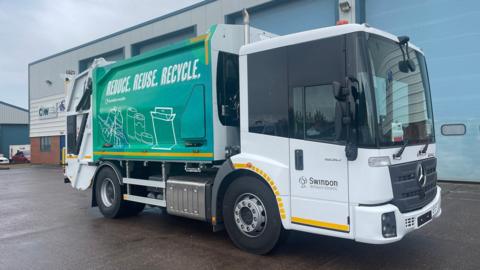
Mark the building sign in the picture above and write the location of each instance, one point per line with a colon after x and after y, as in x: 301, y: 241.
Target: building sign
x: 51, y: 111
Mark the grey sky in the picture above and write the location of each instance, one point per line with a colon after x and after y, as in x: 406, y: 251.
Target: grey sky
x: 33, y: 29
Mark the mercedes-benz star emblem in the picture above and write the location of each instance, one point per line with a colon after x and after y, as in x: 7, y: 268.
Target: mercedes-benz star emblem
x: 421, y: 177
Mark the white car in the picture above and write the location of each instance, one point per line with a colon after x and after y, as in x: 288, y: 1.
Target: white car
x: 4, y: 160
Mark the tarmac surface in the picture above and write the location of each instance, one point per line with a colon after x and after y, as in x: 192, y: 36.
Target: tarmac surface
x: 45, y: 224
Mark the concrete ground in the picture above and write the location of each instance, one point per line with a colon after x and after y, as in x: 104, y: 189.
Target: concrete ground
x: 45, y: 224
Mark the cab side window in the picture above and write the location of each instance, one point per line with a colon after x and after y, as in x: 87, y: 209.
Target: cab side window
x: 312, y: 67
x: 228, y: 85
x: 313, y: 113
x: 320, y: 113
x: 268, y: 92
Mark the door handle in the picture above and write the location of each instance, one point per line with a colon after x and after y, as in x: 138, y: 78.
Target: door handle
x: 299, y: 159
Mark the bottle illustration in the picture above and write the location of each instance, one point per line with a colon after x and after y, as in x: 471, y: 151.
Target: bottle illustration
x: 112, y: 128
x: 131, y: 123
x: 139, y: 126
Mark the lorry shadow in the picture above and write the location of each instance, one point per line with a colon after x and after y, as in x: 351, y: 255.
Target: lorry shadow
x: 300, y: 250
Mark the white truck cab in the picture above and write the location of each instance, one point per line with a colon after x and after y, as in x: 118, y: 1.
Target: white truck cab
x: 344, y: 135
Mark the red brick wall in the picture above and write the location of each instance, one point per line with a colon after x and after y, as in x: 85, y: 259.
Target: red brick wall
x: 52, y: 157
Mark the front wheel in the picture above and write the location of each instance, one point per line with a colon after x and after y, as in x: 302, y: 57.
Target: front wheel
x: 251, y: 215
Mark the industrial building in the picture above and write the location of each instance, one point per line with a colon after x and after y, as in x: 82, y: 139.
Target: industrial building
x: 13, y: 127
x: 446, y: 31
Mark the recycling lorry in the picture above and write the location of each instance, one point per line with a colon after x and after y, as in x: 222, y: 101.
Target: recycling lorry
x: 328, y: 131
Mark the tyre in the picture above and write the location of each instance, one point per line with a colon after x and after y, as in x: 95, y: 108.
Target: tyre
x: 251, y: 215
x: 109, y: 195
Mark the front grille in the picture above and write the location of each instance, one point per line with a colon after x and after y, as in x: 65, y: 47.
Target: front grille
x: 408, y: 195
x: 406, y: 177
x: 419, y: 192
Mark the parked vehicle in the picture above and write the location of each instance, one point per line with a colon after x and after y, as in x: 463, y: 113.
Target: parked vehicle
x: 20, y: 153
x: 328, y: 131
x: 19, y: 157
x: 4, y: 160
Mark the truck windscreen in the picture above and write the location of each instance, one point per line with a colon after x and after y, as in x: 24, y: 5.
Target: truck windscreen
x: 402, y: 99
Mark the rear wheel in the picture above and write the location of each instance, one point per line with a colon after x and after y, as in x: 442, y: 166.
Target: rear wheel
x: 251, y: 215
x: 109, y: 195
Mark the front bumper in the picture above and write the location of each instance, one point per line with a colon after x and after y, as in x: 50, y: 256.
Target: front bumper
x: 368, y: 220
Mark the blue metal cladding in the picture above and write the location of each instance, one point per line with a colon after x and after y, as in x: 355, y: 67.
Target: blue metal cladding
x: 285, y: 17
x: 12, y: 134
x: 449, y: 34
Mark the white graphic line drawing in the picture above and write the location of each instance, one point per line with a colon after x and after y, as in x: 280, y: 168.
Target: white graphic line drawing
x: 162, y: 122
x: 112, y: 128
x: 136, y: 130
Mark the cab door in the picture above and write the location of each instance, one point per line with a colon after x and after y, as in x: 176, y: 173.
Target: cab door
x: 318, y: 167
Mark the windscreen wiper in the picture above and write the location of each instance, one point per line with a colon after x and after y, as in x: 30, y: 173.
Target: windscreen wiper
x: 400, y: 152
x: 424, y: 149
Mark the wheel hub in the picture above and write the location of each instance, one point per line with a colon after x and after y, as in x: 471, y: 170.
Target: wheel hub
x: 107, y: 192
x: 250, y: 215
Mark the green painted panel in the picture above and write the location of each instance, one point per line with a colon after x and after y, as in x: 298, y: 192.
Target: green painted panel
x: 157, y: 106
x: 193, y: 119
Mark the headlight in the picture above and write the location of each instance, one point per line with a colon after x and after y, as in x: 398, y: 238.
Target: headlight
x: 379, y: 161
x: 389, y: 225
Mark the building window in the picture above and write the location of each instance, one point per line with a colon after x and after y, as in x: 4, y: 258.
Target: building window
x: 114, y: 55
x: 268, y: 92
x: 453, y: 129
x: 45, y: 144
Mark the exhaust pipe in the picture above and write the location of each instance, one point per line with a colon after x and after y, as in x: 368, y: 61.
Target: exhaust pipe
x: 246, y: 25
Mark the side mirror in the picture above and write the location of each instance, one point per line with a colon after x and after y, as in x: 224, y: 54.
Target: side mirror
x: 406, y: 66
x: 339, y: 113
x: 339, y: 92
x: 342, y: 124
x: 351, y: 151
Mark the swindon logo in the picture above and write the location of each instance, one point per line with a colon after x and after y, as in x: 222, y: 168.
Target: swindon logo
x: 303, y: 182
x: 317, y: 183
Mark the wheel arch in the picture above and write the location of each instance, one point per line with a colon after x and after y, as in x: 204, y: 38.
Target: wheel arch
x: 225, y: 176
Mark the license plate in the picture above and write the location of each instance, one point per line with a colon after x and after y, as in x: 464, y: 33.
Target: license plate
x: 424, y: 218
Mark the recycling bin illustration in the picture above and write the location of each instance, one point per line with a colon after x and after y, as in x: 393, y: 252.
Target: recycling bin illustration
x: 139, y: 126
x: 147, y: 138
x: 163, y: 128
x: 131, y: 112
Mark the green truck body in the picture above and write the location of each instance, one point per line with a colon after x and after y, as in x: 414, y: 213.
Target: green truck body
x: 157, y: 106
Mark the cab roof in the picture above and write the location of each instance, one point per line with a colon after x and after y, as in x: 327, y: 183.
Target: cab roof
x: 315, y: 34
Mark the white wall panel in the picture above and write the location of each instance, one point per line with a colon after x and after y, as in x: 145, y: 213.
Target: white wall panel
x: 12, y: 115
x: 53, y: 125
